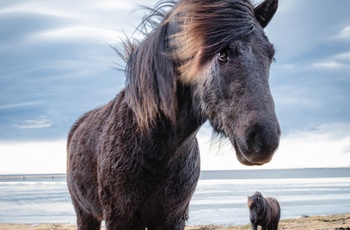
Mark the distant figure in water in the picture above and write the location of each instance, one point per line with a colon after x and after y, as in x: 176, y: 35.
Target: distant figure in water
x: 264, y: 211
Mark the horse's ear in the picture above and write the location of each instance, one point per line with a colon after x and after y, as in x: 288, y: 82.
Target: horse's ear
x: 265, y: 11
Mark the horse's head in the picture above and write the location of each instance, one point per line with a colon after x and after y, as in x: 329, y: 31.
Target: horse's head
x: 218, y: 49
x: 225, y: 55
x: 255, y: 203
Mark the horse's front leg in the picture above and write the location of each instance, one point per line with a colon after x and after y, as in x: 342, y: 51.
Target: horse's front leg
x: 85, y: 220
x: 254, y: 226
x: 273, y: 226
x: 114, y: 222
x: 177, y: 224
x: 170, y: 221
x: 120, y: 212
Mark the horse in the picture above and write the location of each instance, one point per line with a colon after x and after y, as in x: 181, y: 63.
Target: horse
x: 264, y: 211
x: 135, y: 162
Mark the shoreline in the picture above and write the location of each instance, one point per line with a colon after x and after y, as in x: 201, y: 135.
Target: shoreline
x: 335, y: 222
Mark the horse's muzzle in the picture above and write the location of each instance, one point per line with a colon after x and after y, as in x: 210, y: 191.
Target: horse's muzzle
x: 258, y: 143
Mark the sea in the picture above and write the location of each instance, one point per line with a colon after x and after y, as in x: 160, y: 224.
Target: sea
x: 220, y: 197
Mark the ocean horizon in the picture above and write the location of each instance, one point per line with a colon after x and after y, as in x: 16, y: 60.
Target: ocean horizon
x: 220, y: 197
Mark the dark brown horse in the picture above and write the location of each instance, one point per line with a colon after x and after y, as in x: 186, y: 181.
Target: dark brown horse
x: 135, y: 161
x: 264, y: 211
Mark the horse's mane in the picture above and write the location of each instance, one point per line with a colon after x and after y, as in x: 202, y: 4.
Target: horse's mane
x: 180, y: 38
x: 206, y: 28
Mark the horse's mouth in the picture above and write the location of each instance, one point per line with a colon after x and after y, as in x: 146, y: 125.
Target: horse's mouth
x: 256, y: 144
x: 244, y: 160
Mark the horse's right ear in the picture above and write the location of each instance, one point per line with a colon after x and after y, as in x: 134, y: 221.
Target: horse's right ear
x: 265, y: 11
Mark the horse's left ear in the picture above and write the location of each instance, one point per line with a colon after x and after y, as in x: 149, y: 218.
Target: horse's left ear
x: 265, y: 11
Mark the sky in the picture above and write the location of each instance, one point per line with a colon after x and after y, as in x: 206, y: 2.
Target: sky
x: 57, y: 62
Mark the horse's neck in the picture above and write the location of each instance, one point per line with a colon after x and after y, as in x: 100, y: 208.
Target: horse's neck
x: 263, y: 207
x: 188, y: 119
x: 185, y: 127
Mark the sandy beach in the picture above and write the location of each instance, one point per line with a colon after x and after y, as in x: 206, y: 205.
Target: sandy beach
x: 335, y: 222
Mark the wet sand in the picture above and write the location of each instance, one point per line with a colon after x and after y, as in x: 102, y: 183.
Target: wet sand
x: 335, y: 222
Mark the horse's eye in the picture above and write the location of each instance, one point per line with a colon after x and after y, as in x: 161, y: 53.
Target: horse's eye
x: 223, y: 57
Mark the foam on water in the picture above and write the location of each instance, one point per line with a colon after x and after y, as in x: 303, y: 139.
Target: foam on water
x: 45, y: 198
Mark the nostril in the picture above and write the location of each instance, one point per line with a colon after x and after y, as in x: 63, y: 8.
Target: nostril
x: 254, y: 141
x: 262, y: 139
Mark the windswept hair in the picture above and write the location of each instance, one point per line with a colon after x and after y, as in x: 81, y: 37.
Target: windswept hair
x: 180, y: 38
x: 206, y: 28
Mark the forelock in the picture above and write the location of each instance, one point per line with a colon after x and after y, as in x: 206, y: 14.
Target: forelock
x: 206, y: 27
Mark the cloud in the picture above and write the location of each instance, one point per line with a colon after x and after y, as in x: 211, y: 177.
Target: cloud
x: 296, y: 97
x: 324, y: 146
x: 344, y: 33
x: 58, y: 65
x: 43, y: 122
x: 331, y: 64
x: 103, y: 21
x: 49, y: 10
x: 33, y: 157
x: 22, y: 104
x: 113, y: 5
x: 337, y: 131
x: 77, y: 33
x: 336, y: 62
x: 343, y: 56
x: 346, y: 149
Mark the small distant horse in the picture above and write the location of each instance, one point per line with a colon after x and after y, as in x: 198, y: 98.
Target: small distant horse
x: 264, y: 211
x: 135, y: 162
